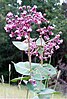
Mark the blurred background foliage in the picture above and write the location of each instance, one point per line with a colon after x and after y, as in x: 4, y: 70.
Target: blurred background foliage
x: 55, y: 13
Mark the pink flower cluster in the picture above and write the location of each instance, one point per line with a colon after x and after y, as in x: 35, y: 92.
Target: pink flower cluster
x: 52, y: 45
x: 20, y: 25
x: 49, y: 47
x: 46, y: 32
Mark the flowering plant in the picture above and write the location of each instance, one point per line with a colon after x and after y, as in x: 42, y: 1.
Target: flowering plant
x: 21, y: 25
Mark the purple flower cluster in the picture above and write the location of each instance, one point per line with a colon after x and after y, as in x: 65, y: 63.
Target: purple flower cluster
x: 21, y: 25
x: 46, y: 32
x: 52, y: 45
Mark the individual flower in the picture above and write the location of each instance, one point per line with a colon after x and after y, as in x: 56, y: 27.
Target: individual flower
x: 10, y: 15
x: 34, y: 9
x: 20, y: 8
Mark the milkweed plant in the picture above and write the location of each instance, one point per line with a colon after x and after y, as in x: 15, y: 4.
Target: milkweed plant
x: 42, y: 47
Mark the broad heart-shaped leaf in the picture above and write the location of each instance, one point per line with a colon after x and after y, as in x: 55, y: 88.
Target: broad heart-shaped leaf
x: 24, y: 68
x: 46, y: 93
x: 20, y: 45
x: 38, y: 72
x: 38, y: 42
x: 20, y: 78
x: 44, y: 72
x: 50, y: 69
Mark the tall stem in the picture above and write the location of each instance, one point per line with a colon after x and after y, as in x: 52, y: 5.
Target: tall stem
x: 42, y: 52
x: 29, y: 55
x: 41, y: 46
x: 50, y: 61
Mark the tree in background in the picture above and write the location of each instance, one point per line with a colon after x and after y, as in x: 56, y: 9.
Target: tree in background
x: 6, y: 48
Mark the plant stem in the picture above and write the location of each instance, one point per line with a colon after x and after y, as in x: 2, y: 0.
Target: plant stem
x: 42, y: 53
x: 41, y: 59
x: 27, y: 94
x: 50, y: 61
x: 29, y: 55
x: 9, y: 72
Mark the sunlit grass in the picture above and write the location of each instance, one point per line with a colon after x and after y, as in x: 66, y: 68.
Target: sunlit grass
x: 13, y: 92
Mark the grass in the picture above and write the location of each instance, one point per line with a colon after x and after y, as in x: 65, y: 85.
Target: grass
x: 13, y: 92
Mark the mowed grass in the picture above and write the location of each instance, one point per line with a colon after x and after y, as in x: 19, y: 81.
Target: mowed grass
x: 13, y: 92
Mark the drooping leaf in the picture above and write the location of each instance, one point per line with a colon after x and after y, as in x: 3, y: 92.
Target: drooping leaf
x: 24, y: 68
x: 20, y: 78
x: 20, y: 45
x: 46, y: 93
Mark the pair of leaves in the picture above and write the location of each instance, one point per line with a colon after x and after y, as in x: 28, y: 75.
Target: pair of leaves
x: 38, y: 72
x: 24, y: 46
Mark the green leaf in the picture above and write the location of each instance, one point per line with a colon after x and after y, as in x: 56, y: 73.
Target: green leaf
x: 39, y: 86
x: 50, y: 69
x: 45, y: 72
x: 38, y: 72
x: 20, y: 78
x: 35, y: 97
x: 24, y: 68
x: 20, y: 45
x: 38, y: 42
x: 47, y: 91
